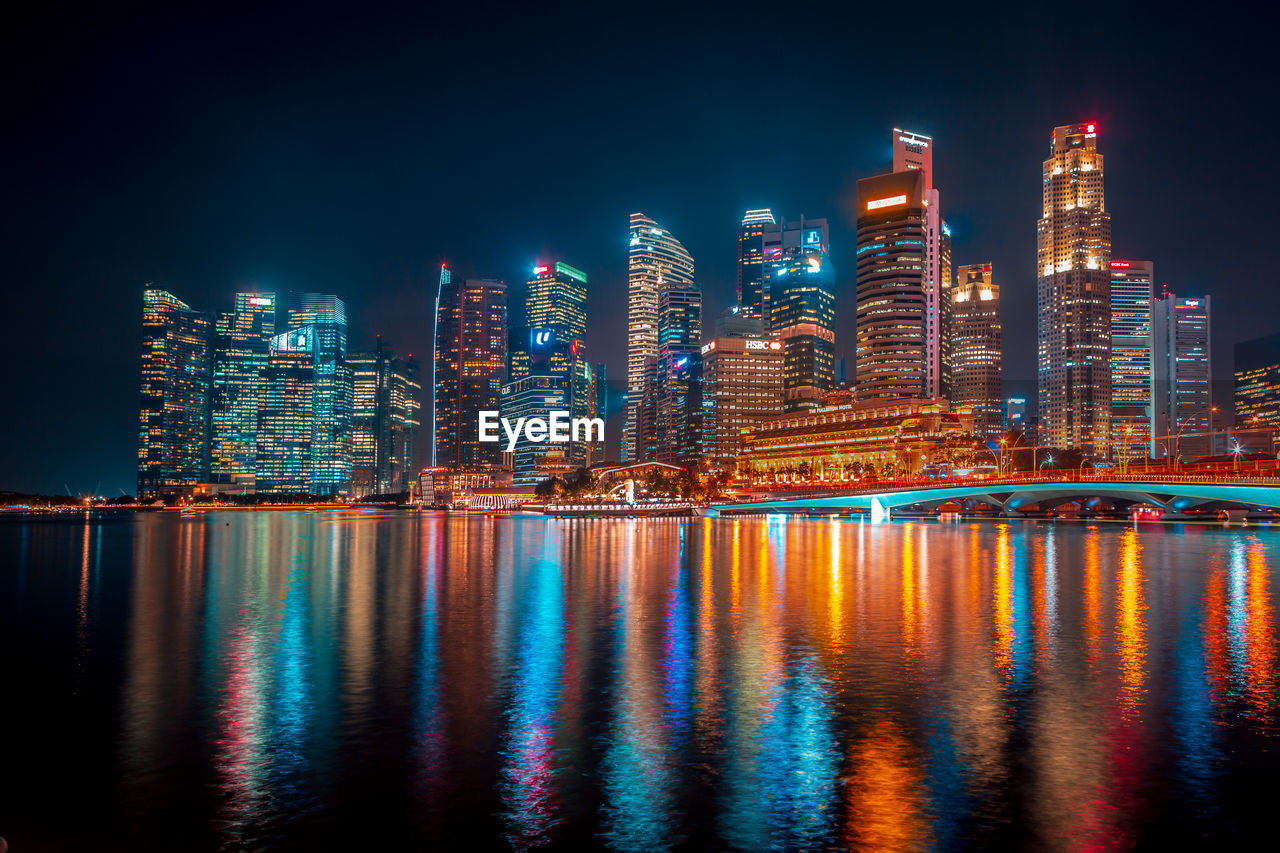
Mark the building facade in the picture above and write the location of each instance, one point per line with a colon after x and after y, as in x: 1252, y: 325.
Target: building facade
x: 470, y: 363
x: 332, y: 408
x: 385, y: 420
x: 173, y: 412
x: 976, y: 342
x: 844, y: 440
x: 1073, y: 264
x: 241, y: 352
x: 537, y: 396
x: 1257, y: 383
x: 913, y: 152
x: 1132, y: 364
x: 669, y: 417
x: 799, y: 290
x: 741, y: 385
x: 892, y: 360
x: 656, y: 260
x: 751, y: 262
x: 286, y: 430
x: 550, y: 354
x: 557, y: 296
x: 1181, y: 392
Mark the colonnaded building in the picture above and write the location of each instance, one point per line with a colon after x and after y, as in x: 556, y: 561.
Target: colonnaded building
x: 842, y: 438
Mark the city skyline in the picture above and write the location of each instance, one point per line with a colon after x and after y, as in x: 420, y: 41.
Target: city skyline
x: 378, y: 248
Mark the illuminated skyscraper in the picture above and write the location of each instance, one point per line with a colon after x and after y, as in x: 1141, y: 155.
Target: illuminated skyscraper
x: 914, y: 152
x: 384, y: 421
x: 332, y: 408
x: 656, y: 260
x: 1181, y: 394
x: 1257, y: 392
x: 548, y: 358
x: 1073, y: 262
x: 173, y: 425
x: 1131, y: 357
x: 893, y: 306
x: 470, y: 361
x: 799, y: 290
x: 241, y: 352
x: 742, y: 384
x: 751, y: 262
x: 670, y: 412
x: 286, y: 422
x: 557, y: 296
x: 976, y: 347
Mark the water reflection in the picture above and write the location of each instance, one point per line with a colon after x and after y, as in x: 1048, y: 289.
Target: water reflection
x: 291, y: 679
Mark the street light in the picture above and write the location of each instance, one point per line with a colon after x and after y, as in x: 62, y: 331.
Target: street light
x: 1178, y: 435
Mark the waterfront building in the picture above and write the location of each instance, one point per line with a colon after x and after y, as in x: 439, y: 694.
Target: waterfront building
x: 976, y: 346
x: 656, y: 260
x: 549, y: 353
x: 1073, y: 264
x: 470, y: 360
x: 241, y: 351
x: 669, y: 415
x: 286, y: 419
x: 384, y: 420
x: 751, y: 262
x: 913, y: 152
x: 173, y: 426
x: 537, y: 396
x: 557, y: 296
x: 842, y: 440
x: 742, y: 383
x: 331, y: 410
x: 799, y: 286
x: 1181, y: 393
x: 1131, y: 357
x: 1257, y: 383
x: 893, y: 304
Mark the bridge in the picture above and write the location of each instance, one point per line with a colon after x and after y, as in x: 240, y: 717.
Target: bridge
x: 1013, y: 495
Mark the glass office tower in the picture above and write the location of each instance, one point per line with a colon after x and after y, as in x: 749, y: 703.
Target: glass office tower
x: 241, y: 352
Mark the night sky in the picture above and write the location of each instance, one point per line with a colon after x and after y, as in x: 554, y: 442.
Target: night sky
x: 345, y: 151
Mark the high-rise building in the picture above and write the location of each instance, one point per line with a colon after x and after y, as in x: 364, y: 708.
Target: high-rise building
x: 470, y: 360
x: 1073, y: 264
x: 557, y: 296
x: 976, y: 346
x: 892, y: 306
x: 799, y: 287
x: 751, y: 262
x: 1257, y: 391
x: 742, y: 384
x: 550, y: 354
x: 384, y: 422
x: 1131, y: 357
x: 332, y: 407
x: 1181, y: 393
x: 669, y: 427
x: 446, y: 278
x: 241, y: 351
x: 173, y: 414
x: 286, y: 419
x: 913, y: 152
x: 656, y: 260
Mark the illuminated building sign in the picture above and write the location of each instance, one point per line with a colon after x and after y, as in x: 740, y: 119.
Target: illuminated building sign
x: 540, y: 270
x: 757, y: 344
x: 261, y: 300
x: 706, y: 348
x: 295, y: 340
x: 572, y: 272
x: 1123, y: 265
x: 877, y: 203
x: 541, y: 337
x: 813, y: 238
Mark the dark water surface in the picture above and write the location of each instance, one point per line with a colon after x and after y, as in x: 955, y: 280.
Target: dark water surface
x: 271, y: 680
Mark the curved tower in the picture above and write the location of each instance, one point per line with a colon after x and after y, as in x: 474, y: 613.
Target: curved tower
x: 656, y: 260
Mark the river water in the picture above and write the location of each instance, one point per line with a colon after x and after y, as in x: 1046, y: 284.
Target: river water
x: 390, y: 680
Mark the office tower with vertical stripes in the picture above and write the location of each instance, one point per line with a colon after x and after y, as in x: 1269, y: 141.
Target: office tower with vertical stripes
x: 1073, y: 304
x: 470, y: 365
x: 751, y: 262
x: 1132, y: 364
x: 241, y: 352
x: 173, y: 414
x: 656, y: 260
x: 976, y: 347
